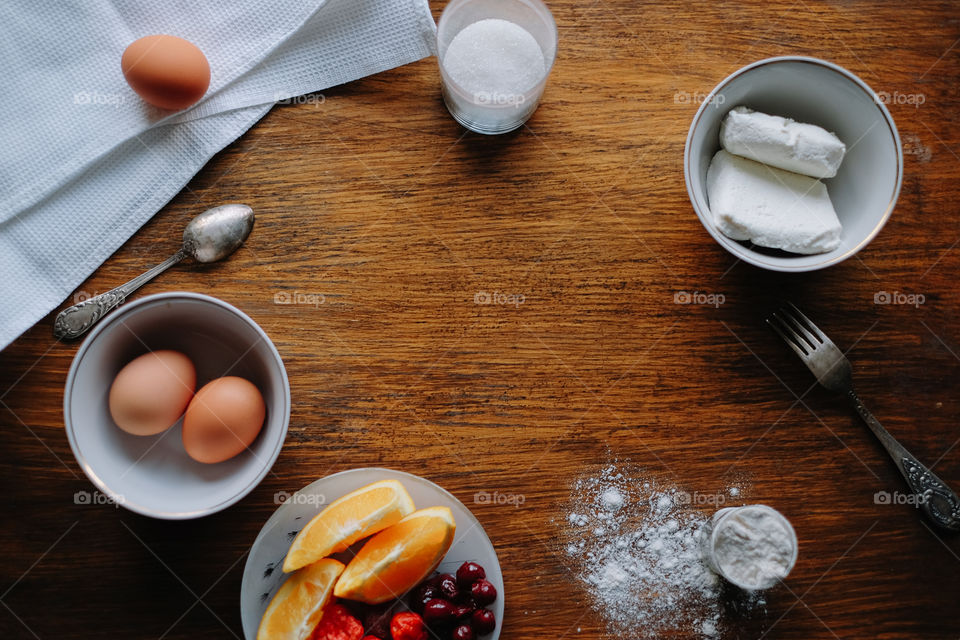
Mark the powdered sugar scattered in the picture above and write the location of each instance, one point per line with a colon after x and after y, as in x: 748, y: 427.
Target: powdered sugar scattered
x: 637, y: 547
x: 612, y: 499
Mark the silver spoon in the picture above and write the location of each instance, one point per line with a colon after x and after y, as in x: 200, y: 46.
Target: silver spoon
x: 211, y: 236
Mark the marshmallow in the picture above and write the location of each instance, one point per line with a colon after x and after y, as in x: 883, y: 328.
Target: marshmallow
x: 770, y: 207
x: 781, y: 142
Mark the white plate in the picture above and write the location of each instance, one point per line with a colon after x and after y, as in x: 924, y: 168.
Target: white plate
x: 262, y: 575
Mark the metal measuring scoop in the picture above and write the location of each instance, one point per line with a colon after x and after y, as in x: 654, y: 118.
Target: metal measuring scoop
x: 211, y: 236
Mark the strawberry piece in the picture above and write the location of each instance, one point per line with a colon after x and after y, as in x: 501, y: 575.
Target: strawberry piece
x: 337, y: 624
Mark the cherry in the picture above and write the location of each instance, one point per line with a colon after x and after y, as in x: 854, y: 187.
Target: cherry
x: 483, y: 592
x: 465, y: 600
x: 438, y: 611
x: 483, y: 621
x: 376, y: 621
x: 422, y: 595
x: 463, y: 611
x: 448, y: 586
x: 468, y: 573
x: 463, y: 632
x: 425, y: 591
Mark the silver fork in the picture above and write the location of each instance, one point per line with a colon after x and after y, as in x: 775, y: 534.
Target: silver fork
x: 833, y: 371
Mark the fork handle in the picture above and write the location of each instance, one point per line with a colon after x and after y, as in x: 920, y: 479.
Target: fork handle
x: 934, y: 497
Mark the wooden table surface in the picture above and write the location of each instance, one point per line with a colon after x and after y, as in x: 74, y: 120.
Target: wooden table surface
x: 374, y: 199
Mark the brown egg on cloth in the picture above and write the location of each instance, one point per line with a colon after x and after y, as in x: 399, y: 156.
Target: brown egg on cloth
x: 166, y: 71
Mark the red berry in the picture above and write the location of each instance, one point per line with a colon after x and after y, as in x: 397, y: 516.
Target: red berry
x: 408, y: 626
x: 422, y: 595
x: 483, y: 621
x: 483, y: 592
x: 337, y: 624
x: 463, y: 611
x: 377, y: 622
x: 468, y: 573
x: 448, y: 586
x: 463, y: 632
x: 437, y: 611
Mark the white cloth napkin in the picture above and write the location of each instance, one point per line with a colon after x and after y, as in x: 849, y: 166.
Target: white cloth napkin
x: 85, y: 162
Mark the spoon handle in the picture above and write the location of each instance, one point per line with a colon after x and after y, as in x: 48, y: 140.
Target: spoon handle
x: 73, y: 322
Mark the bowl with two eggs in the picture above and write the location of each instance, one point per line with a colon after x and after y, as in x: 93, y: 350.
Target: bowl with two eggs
x: 176, y: 406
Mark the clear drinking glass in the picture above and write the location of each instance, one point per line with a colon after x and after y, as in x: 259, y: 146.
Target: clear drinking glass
x: 489, y: 110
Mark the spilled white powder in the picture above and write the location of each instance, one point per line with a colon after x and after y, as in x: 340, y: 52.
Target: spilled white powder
x: 637, y: 547
x: 495, y: 59
x: 612, y: 499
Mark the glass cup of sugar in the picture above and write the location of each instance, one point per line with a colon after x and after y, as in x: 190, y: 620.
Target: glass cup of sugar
x: 495, y: 56
x: 753, y: 547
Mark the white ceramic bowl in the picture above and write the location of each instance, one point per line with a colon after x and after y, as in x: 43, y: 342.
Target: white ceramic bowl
x: 153, y: 475
x: 865, y: 189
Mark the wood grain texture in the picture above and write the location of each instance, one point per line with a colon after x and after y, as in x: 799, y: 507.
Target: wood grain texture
x: 376, y: 200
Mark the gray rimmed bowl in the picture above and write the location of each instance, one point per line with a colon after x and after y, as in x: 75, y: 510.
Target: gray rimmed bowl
x: 153, y: 475
x: 865, y: 189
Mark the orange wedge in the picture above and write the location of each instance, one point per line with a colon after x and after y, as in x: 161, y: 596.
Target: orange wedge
x: 298, y: 606
x: 397, y: 559
x: 353, y: 517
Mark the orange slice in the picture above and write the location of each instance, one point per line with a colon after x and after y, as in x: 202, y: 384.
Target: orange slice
x: 298, y: 606
x: 353, y: 517
x: 396, y: 559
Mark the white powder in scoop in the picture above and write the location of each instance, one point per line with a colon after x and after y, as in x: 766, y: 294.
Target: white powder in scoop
x: 637, y: 547
x: 495, y: 57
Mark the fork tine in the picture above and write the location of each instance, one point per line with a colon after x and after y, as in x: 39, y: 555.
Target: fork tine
x: 799, y: 328
x: 788, y: 336
x: 814, y: 329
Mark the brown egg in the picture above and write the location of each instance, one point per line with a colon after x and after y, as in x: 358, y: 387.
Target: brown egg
x: 223, y: 419
x: 151, y: 392
x: 166, y: 71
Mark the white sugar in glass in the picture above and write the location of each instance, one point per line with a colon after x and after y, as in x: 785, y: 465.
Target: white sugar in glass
x: 495, y: 56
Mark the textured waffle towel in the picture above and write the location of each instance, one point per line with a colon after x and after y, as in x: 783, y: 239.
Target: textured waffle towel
x: 85, y: 162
